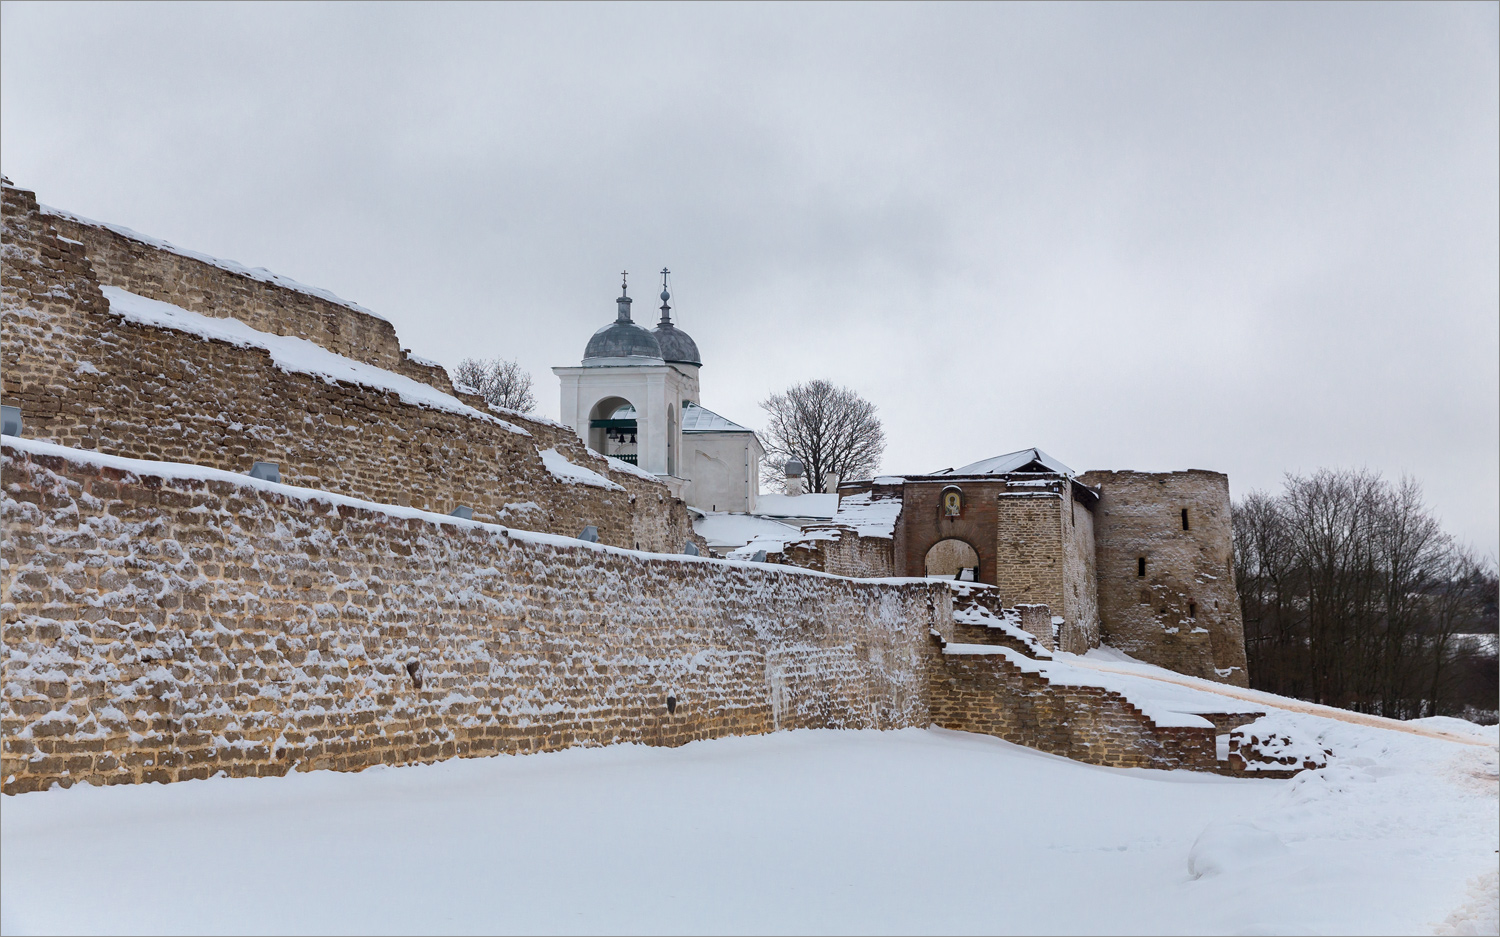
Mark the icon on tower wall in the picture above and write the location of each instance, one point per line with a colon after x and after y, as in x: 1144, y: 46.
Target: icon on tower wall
x: 953, y: 501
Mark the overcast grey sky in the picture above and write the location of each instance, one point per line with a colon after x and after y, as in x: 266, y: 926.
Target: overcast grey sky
x: 1256, y: 239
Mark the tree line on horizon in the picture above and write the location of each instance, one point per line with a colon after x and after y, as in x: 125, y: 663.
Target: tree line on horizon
x: 1354, y: 596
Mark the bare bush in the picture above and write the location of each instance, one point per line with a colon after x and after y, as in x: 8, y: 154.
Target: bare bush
x: 500, y: 382
x: 830, y: 430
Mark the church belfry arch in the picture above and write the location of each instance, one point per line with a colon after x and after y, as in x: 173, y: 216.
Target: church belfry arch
x: 613, y: 428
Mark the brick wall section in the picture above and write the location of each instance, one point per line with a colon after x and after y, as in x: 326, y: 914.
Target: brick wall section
x: 88, y: 379
x: 924, y: 524
x: 150, y: 270
x: 1139, y: 515
x: 160, y: 629
x: 986, y: 693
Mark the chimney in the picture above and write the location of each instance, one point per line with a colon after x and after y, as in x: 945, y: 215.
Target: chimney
x: 793, y: 469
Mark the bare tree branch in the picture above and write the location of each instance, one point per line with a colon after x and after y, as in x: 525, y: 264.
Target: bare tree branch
x: 502, y: 383
x: 830, y: 430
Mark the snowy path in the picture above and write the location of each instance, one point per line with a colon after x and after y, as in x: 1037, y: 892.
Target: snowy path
x: 918, y: 831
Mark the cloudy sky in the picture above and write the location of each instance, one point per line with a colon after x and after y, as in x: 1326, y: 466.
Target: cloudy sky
x: 1257, y: 239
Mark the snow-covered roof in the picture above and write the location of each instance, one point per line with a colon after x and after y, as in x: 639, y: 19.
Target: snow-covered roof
x: 696, y: 419
x: 1010, y: 462
x: 868, y: 516
x: 813, y: 505
x: 736, y: 530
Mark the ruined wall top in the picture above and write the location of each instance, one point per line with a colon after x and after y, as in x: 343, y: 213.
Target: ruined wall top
x: 212, y: 286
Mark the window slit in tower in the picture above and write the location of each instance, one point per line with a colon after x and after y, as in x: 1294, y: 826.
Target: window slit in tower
x: 1184, y: 519
x: 1140, y: 566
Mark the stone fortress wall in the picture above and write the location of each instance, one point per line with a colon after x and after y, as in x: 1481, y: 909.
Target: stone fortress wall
x: 165, y: 622
x: 171, y: 618
x: 153, y: 269
x: 88, y: 378
x: 1180, y: 609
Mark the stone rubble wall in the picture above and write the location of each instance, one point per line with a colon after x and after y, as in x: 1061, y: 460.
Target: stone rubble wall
x: 1030, y: 563
x: 199, y: 286
x: 161, y: 628
x: 1184, y: 614
x: 847, y: 554
x: 986, y: 693
x: 86, y: 378
x: 166, y: 622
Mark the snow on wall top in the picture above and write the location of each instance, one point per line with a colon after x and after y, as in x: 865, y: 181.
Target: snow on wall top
x: 189, y: 471
x: 1063, y: 674
x: 869, y: 517
x: 253, y: 273
x: 620, y: 465
x: 814, y: 505
x: 571, y: 473
x: 291, y: 354
x: 1010, y: 462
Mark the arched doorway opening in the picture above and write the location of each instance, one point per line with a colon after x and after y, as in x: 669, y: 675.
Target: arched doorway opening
x: 612, y: 429
x: 953, y: 559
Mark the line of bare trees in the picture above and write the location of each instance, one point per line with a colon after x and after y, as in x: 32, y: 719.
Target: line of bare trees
x: 1354, y: 596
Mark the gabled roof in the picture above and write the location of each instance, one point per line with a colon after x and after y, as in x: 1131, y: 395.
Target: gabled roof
x: 1024, y: 460
x: 696, y: 419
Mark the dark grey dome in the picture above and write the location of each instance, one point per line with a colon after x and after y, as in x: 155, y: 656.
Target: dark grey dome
x: 676, y: 345
x: 622, y: 338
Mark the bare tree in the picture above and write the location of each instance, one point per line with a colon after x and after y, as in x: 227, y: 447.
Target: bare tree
x: 831, y: 430
x: 1353, y: 595
x: 503, y: 383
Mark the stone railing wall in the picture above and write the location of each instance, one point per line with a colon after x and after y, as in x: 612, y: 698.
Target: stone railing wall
x: 988, y: 694
x: 87, y: 378
x: 168, y: 622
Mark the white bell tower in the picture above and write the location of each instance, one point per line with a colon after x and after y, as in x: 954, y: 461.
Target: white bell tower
x: 625, y: 398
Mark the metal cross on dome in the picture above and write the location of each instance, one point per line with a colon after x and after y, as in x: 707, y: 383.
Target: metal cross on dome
x: 623, y: 274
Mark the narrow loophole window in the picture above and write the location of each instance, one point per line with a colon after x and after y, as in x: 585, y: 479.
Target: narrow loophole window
x: 1185, y: 520
x: 1192, y: 609
x: 1140, y: 566
x: 671, y: 704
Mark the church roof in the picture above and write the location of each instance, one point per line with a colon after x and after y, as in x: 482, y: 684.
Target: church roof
x: 622, y: 341
x: 696, y: 419
x: 677, y: 346
x: 1024, y: 460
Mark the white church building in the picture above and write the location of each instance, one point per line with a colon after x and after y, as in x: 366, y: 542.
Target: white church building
x: 635, y: 397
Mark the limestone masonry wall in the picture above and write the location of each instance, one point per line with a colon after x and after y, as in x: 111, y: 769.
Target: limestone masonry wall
x: 1182, y: 611
x: 152, y: 270
x: 86, y: 378
x: 1029, y: 552
x: 1081, y: 626
x: 166, y: 622
x: 172, y: 619
x: 986, y: 693
x: 164, y: 628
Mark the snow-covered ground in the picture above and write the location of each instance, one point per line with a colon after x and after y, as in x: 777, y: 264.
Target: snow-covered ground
x: 916, y: 831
